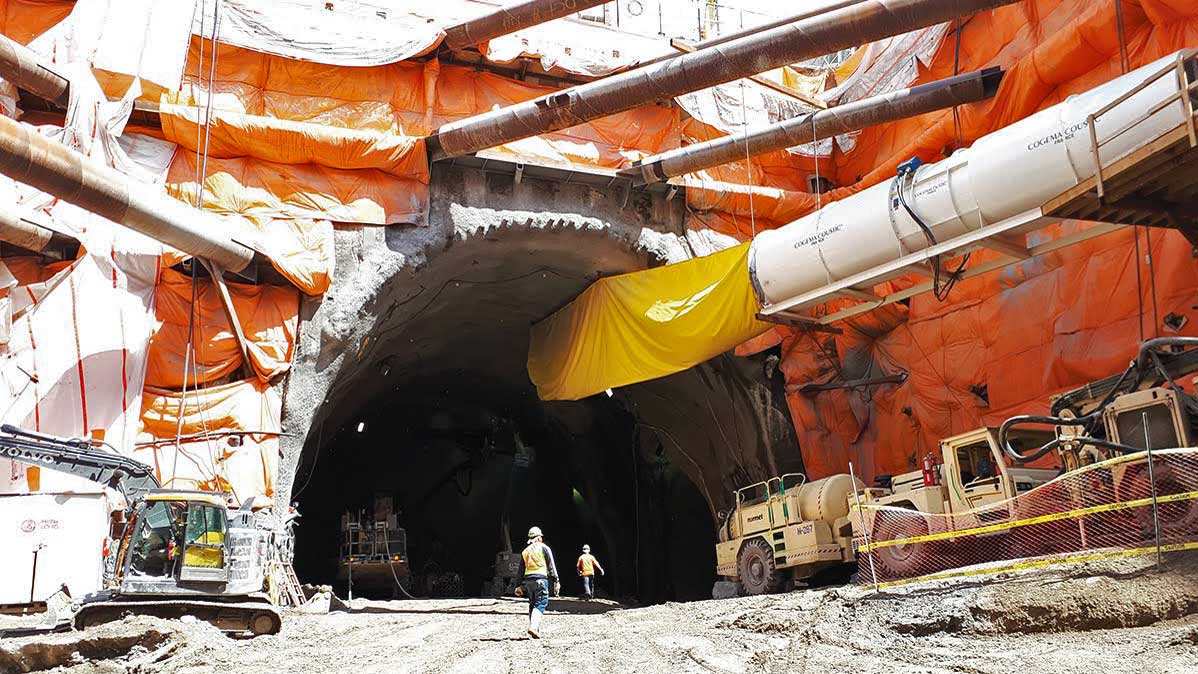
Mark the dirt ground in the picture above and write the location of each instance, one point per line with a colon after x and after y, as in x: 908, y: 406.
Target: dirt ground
x: 1098, y: 618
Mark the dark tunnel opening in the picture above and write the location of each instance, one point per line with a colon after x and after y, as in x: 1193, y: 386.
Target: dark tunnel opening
x: 452, y: 429
x: 467, y: 480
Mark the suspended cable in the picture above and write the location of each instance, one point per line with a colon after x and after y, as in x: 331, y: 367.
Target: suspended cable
x: 744, y: 116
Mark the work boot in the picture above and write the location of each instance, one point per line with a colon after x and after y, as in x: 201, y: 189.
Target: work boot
x: 534, y: 624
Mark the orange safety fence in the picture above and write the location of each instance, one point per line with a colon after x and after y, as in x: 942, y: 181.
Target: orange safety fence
x: 1114, y: 508
x: 228, y: 439
x: 268, y: 316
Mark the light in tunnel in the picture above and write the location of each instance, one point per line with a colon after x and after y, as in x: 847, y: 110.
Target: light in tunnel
x: 609, y: 393
x: 361, y: 426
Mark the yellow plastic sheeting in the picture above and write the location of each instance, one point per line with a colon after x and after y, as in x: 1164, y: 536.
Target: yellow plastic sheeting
x: 648, y: 324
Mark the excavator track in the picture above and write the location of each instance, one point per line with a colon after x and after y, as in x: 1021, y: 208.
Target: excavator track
x: 255, y: 617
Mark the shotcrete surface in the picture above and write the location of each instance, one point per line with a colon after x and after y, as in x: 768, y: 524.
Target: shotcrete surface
x: 1103, y: 617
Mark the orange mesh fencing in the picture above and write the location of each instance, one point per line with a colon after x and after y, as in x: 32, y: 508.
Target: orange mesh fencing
x: 1112, y: 508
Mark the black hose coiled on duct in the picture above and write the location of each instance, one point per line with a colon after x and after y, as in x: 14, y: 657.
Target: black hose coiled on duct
x: 1148, y: 354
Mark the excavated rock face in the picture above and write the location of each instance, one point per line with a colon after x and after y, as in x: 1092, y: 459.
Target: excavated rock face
x: 422, y: 341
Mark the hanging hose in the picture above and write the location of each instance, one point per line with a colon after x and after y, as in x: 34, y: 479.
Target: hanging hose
x: 404, y: 590
x: 907, y: 170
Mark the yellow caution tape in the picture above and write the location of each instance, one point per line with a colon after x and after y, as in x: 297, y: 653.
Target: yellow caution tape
x: 1038, y: 563
x: 1041, y: 519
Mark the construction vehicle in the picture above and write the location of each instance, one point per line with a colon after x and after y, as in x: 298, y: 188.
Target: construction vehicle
x: 177, y: 552
x: 374, y: 549
x: 785, y: 529
x: 1123, y: 415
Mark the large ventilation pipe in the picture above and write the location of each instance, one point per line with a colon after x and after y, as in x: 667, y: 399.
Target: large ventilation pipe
x: 790, y: 43
x: 512, y: 18
x: 28, y: 157
x: 946, y: 93
x: 1005, y: 174
x: 20, y: 66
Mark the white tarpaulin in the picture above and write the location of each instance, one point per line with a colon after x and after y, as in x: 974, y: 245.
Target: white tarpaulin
x: 143, y: 38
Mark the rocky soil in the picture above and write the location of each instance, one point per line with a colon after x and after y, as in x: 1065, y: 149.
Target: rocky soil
x: 1108, y: 617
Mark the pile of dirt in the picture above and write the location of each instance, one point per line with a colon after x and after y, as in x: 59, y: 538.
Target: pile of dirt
x: 1123, y: 616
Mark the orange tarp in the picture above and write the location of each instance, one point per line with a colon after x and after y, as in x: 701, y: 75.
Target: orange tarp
x: 295, y: 139
x: 268, y: 317
x: 242, y: 457
x: 23, y: 20
x: 1002, y: 342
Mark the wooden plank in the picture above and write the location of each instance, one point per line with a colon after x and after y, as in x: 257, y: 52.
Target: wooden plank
x: 857, y: 294
x: 1009, y: 246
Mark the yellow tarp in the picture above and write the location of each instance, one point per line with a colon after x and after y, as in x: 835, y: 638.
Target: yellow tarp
x: 639, y: 326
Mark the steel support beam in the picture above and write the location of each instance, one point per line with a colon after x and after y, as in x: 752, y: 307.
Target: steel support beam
x: 925, y: 98
x: 511, y: 18
x: 28, y: 157
x: 825, y: 33
x: 20, y: 66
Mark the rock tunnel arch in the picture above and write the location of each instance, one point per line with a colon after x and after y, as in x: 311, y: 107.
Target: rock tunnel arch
x: 410, y: 381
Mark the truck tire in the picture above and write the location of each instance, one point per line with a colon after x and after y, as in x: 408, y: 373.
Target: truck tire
x: 906, y: 560
x: 756, y: 570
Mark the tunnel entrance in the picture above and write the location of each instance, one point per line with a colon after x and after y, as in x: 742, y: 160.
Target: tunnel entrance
x: 437, y: 413
x: 468, y: 478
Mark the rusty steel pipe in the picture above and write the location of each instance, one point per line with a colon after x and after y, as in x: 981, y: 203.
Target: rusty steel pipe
x: 790, y: 43
x: 723, y: 39
x: 25, y: 232
x: 511, y: 18
x: 30, y: 158
x: 21, y: 66
x: 918, y: 100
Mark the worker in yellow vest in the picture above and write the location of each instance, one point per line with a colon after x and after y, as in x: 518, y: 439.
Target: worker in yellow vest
x: 537, y: 569
x: 587, y: 565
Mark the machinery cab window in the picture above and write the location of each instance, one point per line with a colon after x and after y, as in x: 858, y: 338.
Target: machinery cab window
x: 204, y: 543
x: 152, y: 542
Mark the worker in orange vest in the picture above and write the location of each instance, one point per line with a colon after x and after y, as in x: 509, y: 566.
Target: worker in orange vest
x: 537, y: 569
x: 587, y: 565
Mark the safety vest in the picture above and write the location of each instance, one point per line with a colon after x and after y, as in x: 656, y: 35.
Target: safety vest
x: 534, y: 560
x: 586, y: 565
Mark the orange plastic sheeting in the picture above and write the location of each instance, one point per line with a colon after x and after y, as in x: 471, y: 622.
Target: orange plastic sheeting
x: 301, y: 250
x: 268, y: 315
x: 1003, y: 342
x: 296, y: 139
x: 23, y: 20
x: 256, y: 189
x: 635, y: 327
x: 229, y: 438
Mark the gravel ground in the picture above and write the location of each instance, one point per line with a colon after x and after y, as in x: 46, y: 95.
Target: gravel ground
x: 1098, y: 618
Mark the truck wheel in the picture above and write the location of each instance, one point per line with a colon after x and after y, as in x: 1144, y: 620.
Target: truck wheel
x: 904, y: 560
x: 755, y: 565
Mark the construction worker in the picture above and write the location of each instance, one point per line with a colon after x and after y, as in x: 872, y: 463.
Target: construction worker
x: 587, y: 565
x: 537, y: 569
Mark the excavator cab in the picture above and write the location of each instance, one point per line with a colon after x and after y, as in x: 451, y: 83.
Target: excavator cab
x: 177, y: 536
x: 978, y: 473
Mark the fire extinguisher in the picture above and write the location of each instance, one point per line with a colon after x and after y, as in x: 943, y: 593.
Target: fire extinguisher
x: 930, y: 476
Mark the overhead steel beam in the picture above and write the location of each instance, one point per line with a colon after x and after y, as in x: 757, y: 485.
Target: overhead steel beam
x: 825, y: 33
x: 511, y: 18
x: 922, y: 99
x: 28, y: 157
x: 21, y: 66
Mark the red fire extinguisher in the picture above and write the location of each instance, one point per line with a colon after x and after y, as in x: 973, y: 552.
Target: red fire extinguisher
x: 930, y: 476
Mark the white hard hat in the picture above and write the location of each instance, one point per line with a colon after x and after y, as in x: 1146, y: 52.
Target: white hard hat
x: 534, y: 532
x: 586, y: 548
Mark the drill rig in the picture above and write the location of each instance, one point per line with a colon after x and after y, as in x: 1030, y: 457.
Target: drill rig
x: 178, y: 552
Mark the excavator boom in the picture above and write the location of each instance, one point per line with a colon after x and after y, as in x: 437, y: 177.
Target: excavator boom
x: 80, y: 457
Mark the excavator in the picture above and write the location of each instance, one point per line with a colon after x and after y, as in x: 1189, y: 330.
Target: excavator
x: 178, y: 552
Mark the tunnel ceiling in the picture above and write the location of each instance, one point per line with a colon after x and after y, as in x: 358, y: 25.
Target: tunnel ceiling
x: 459, y: 326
